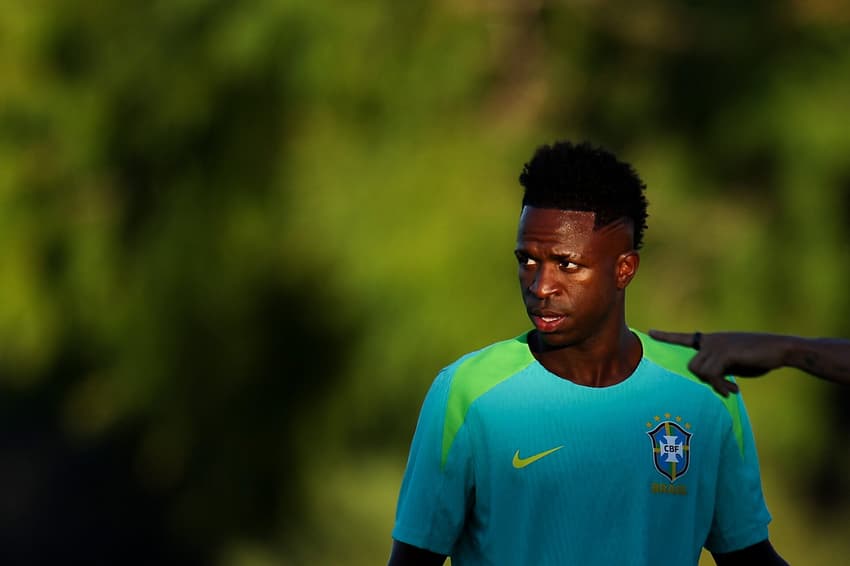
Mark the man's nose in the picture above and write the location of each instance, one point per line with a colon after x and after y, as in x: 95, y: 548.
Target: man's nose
x: 544, y: 283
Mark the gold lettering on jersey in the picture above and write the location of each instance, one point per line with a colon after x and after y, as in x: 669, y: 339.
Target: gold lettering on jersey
x: 669, y: 488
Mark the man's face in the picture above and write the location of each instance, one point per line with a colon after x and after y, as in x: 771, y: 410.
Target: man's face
x: 572, y: 277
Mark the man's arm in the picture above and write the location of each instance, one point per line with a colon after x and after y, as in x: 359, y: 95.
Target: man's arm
x: 404, y: 554
x: 759, y: 553
x: 749, y: 354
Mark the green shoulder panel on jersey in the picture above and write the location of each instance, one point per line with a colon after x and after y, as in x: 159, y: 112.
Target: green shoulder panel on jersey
x: 675, y: 358
x: 478, y: 374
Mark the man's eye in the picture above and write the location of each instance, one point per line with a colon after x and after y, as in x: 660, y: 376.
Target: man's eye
x: 567, y: 265
x: 525, y: 260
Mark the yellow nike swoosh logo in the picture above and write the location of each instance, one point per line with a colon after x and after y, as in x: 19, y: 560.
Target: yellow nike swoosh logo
x: 523, y: 462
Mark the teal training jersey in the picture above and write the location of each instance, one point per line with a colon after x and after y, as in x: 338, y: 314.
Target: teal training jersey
x: 510, y: 464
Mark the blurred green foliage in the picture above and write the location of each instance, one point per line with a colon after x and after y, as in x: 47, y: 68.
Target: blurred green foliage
x: 237, y: 241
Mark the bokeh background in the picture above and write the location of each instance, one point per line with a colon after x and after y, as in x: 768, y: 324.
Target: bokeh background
x: 239, y: 239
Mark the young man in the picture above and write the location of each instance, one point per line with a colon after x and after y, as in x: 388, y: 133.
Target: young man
x: 752, y: 354
x: 580, y: 442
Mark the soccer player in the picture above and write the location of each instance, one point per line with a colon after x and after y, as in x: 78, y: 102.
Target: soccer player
x: 752, y: 354
x: 581, y: 442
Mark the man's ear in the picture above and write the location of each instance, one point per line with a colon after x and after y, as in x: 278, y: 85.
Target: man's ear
x: 627, y: 266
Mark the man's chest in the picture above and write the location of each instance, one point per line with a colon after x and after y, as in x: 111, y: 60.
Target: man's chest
x: 590, y: 442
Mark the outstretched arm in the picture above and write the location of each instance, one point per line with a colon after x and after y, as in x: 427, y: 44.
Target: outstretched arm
x: 748, y: 354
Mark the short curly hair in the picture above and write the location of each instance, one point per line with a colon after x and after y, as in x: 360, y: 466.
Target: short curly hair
x: 583, y: 177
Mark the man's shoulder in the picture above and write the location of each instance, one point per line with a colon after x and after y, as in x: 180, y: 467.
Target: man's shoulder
x: 669, y: 357
x: 499, y: 358
x: 474, y: 374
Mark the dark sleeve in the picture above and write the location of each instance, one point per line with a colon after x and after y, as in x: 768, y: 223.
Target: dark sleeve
x: 761, y: 553
x: 404, y: 554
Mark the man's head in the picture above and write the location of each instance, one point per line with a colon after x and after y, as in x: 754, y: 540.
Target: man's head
x: 582, y: 177
x: 582, y: 221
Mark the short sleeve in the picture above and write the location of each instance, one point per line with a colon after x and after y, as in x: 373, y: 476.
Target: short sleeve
x: 435, y: 494
x: 741, y: 516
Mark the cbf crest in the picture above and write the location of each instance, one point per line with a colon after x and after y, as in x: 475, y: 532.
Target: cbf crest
x: 671, y: 447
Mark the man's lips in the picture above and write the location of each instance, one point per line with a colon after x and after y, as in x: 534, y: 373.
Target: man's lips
x: 546, y: 321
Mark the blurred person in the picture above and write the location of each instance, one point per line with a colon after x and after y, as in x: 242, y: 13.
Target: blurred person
x: 581, y: 441
x: 753, y: 354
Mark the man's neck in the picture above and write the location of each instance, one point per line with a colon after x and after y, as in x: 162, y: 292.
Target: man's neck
x: 599, y: 362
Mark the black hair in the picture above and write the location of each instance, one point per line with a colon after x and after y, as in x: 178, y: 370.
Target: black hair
x: 583, y: 177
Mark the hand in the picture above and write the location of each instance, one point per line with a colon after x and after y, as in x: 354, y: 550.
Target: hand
x: 743, y: 354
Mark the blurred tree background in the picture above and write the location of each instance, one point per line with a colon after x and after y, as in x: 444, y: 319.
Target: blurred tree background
x: 238, y: 240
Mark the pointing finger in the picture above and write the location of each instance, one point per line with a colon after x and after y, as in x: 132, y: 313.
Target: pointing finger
x: 681, y: 338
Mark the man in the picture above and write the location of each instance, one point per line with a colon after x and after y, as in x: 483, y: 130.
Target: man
x: 581, y: 442
x: 752, y: 354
